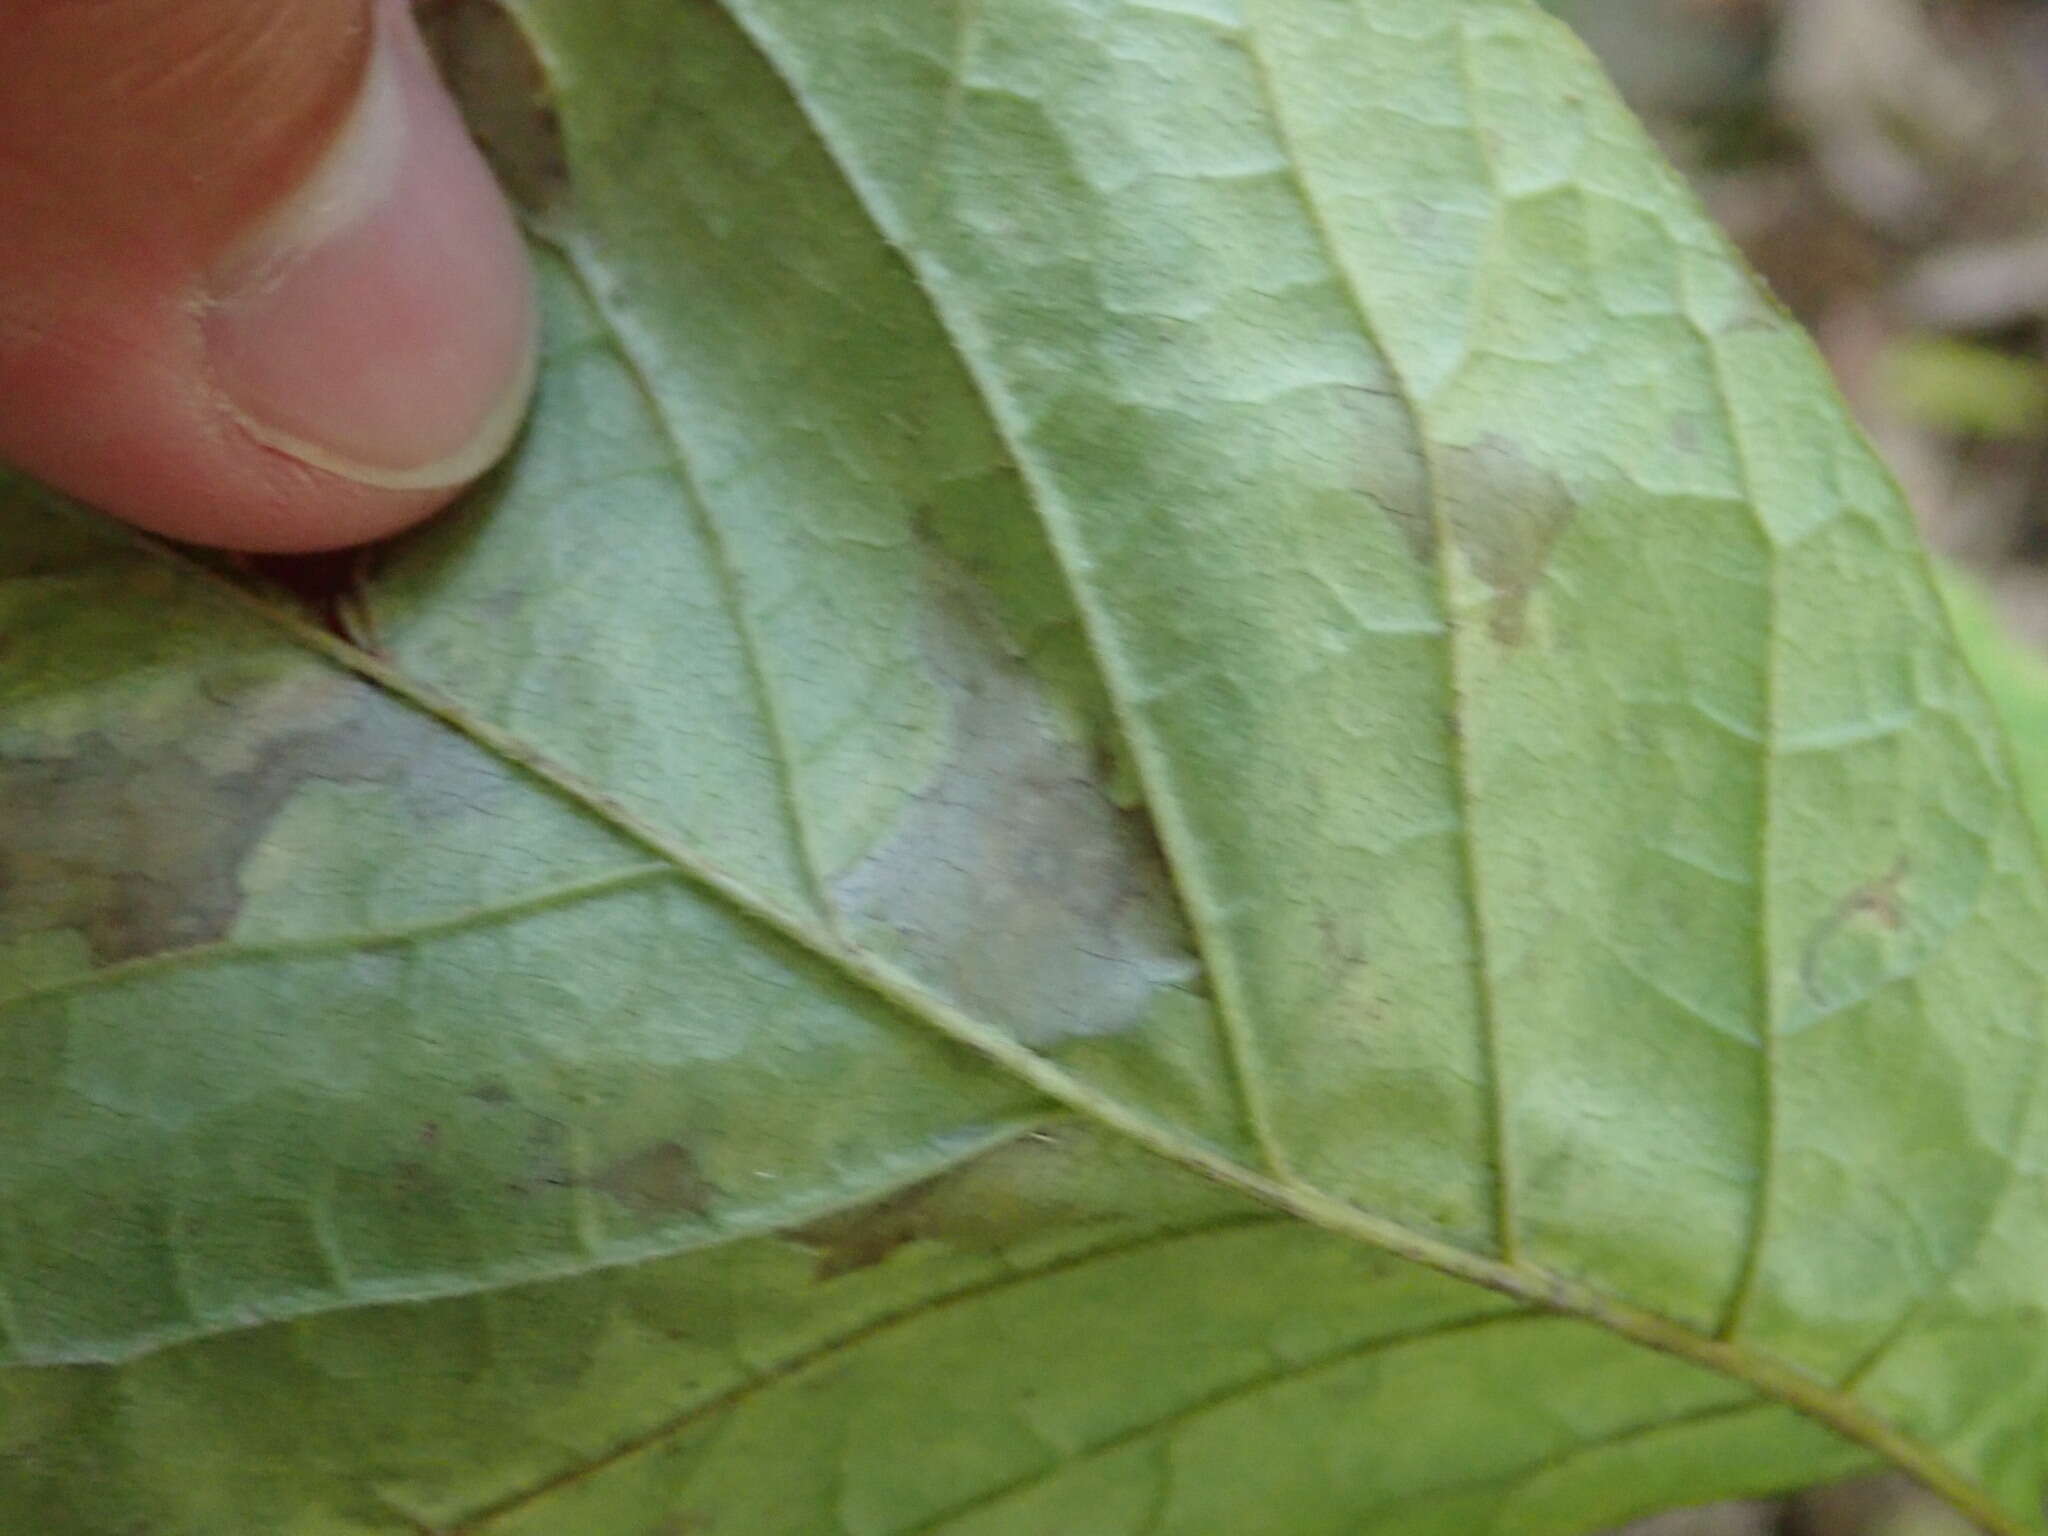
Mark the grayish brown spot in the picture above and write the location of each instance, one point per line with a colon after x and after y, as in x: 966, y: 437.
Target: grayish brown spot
x: 1859, y: 929
x: 137, y: 840
x: 1007, y: 1193
x: 662, y: 1180
x: 1014, y: 881
x: 1343, y: 950
x: 1880, y: 898
x: 1505, y: 515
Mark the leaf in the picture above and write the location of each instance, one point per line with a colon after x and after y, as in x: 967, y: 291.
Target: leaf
x: 1191, y: 782
x: 2013, y: 675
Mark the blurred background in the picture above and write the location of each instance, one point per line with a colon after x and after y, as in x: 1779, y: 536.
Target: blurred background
x: 1884, y: 165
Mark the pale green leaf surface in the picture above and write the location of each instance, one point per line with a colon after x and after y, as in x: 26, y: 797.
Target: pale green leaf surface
x: 1254, y: 575
x: 964, y: 1382
x: 2015, y: 675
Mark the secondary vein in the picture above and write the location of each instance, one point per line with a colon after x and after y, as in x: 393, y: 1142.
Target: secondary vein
x: 828, y: 1350
x: 1765, y: 962
x: 1151, y: 764
x: 578, y: 261
x: 349, y: 941
x: 1486, y: 1001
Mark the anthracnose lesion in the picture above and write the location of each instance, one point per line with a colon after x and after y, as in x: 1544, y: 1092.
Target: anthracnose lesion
x: 1859, y: 939
x: 135, y: 838
x: 1505, y: 514
x: 1021, y: 834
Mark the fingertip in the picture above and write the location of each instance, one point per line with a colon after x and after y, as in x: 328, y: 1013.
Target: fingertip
x: 379, y: 324
x: 342, y: 368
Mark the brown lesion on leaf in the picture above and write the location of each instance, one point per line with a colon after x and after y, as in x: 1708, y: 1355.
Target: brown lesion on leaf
x: 661, y: 1180
x: 135, y: 836
x: 859, y: 1239
x: 999, y: 1197
x: 1880, y: 899
x: 1877, y: 908
x: 1342, y: 947
x: 1505, y: 515
x: 1501, y: 512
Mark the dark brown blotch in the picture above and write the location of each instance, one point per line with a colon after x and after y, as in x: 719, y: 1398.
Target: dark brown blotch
x: 861, y: 1238
x: 137, y: 839
x: 1010, y: 1191
x: 661, y: 1180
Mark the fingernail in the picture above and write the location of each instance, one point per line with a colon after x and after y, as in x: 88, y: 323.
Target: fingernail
x: 379, y: 323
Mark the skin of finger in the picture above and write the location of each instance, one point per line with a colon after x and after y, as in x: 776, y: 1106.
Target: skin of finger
x: 138, y: 139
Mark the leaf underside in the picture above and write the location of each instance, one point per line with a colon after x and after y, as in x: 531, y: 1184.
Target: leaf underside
x: 1190, y: 782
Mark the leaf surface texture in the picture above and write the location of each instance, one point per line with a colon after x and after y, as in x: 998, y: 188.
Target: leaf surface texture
x: 1190, y: 782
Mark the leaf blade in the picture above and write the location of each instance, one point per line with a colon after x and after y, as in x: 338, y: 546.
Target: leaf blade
x: 1328, y: 819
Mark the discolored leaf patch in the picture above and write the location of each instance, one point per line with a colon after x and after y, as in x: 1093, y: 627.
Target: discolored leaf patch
x: 136, y: 840
x: 662, y: 1180
x: 1020, y: 834
x: 1022, y: 1186
x: 1506, y: 516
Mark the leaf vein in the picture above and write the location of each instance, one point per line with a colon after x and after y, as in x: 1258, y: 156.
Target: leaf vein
x: 1222, y: 1398
x: 832, y: 1349
x: 1485, y: 988
x: 1120, y: 684
x: 579, y: 261
x: 230, y: 951
x: 1765, y: 959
